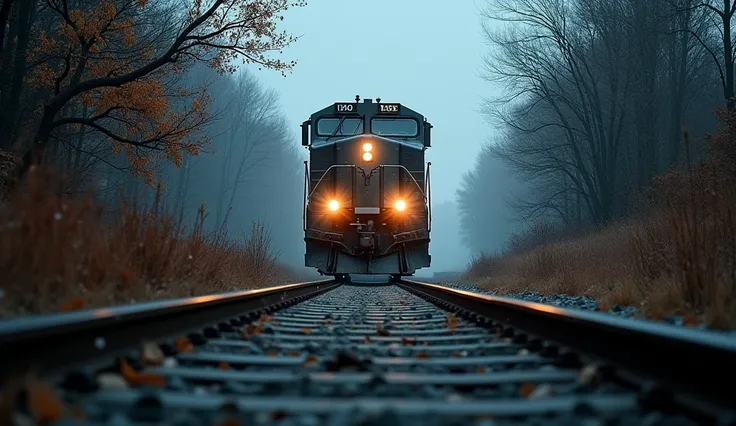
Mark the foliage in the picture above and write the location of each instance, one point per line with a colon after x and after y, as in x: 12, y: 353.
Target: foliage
x: 59, y: 251
x: 113, y: 67
x: 678, y: 255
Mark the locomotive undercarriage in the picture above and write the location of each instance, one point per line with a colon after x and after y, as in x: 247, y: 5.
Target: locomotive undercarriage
x: 368, y: 240
x: 331, y: 256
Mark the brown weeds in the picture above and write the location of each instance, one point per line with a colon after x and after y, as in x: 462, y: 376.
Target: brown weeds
x: 61, y: 253
x: 679, y: 256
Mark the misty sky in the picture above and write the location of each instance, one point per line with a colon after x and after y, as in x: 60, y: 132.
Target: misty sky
x: 423, y: 54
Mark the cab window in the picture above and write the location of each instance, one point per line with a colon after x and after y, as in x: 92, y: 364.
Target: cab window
x: 349, y: 127
x: 406, y: 127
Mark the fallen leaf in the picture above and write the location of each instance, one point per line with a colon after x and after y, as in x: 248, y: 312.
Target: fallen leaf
x: 224, y: 365
x: 44, y: 404
x: 408, y: 342
x: 382, y: 331
x: 184, y: 345
x: 135, y: 378
x: 422, y: 355
x: 265, y: 318
x: 526, y: 389
x: 451, y: 321
x: 690, y: 320
x: 272, y: 353
x: 251, y: 330
x: 73, y: 304
x: 604, y: 308
x: 311, y: 359
x: 230, y: 421
x: 306, y: 330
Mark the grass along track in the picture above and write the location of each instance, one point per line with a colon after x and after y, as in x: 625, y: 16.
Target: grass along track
x: 318, y: 353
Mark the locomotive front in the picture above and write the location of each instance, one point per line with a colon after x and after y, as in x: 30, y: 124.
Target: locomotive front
x: 367, y: 206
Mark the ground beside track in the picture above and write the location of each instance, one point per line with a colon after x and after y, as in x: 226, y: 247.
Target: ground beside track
x: 583, y: 303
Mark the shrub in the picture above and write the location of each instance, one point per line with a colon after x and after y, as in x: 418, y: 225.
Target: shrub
x: 59, y: 252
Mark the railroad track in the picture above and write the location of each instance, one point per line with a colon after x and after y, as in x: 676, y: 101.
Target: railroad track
x: 324, y: 353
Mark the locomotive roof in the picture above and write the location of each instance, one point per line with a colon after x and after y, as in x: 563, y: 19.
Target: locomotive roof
x: 366, y: 109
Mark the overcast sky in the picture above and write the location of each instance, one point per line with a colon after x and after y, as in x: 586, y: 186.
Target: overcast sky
x: 425, y: 54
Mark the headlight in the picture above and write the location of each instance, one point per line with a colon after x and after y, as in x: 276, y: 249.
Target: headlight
x: 367, y: 147
x: 333, y: 205
x: 367, y: 156
x: 400, y: 205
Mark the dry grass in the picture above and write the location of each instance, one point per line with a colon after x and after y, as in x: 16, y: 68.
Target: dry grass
x: 59, y: 253
x: 678, y: 257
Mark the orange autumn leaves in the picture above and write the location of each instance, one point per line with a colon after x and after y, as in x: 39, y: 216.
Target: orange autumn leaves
x: 138, y: 117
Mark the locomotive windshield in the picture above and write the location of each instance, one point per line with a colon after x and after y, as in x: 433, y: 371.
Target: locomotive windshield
x: 407, y: 127
x: 349, y: 127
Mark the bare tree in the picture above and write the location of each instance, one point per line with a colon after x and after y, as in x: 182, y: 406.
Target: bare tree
x: 720, y: 13
x: 563, y: 74
x: 251, y: 131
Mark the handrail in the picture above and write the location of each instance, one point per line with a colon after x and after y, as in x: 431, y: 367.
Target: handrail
x: 335, y: 166
x: 428, y: 190
x: 304, y: 200
x: 399, y: 166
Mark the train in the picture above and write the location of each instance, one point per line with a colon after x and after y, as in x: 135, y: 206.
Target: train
x: 367, y: 195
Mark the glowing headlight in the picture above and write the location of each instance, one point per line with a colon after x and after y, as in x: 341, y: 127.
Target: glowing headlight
x: 367, y: 147
x: 400, y: 205
x: 367, y: 156
x: 333, y: 205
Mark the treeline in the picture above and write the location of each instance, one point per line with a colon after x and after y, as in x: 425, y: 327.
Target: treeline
x: 138, y: 158
x: 121, y: 96
x: 596, y: 95
x: 618, y: 117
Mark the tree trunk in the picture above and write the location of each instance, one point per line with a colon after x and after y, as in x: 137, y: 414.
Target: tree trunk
x: 10, y: 104
x: 728, y: 54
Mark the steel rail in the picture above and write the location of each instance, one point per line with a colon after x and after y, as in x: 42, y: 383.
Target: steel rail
x: 48, y: 342
x: 694, y: 364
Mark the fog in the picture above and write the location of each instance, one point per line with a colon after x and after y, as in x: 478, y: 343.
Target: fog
x: 521, y: 136
x: 422, y: 54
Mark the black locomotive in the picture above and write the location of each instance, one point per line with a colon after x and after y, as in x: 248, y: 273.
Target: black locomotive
x: 367, y: 204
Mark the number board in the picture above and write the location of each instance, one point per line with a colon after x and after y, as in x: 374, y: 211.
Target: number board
x: 389, y: 108
x: 346, y: 108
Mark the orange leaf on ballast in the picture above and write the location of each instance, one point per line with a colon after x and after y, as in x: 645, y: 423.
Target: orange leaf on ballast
x: 73, y: 304
x: 44, y: 403
x: 526, y: 389
x: 451, y: 321
x: 184, y: 345
x: 135, y: 378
